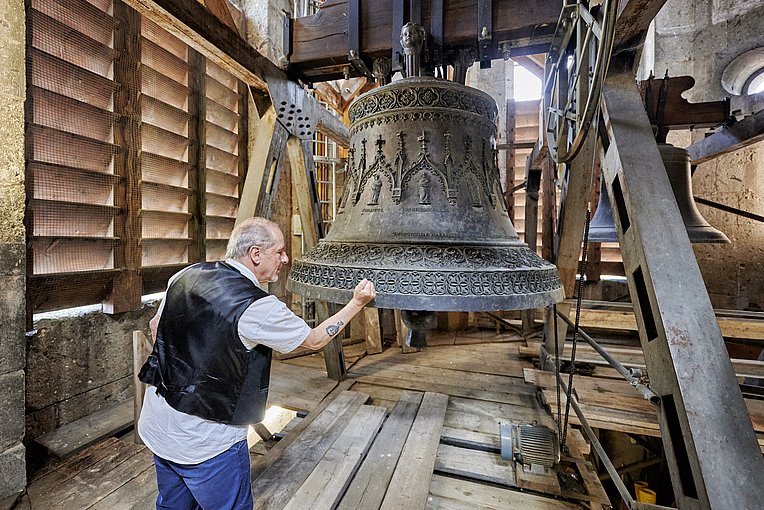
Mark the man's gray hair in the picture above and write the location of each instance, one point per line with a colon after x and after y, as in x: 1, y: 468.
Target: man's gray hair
x: 251, y: 232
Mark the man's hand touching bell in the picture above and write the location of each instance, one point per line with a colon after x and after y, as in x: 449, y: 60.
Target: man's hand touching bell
x: 364, y: 292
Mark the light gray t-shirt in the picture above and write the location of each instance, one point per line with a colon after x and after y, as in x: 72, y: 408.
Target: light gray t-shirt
x: 186, y: 439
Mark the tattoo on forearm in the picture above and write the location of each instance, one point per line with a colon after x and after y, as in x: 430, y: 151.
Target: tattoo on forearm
x: 333, y: 329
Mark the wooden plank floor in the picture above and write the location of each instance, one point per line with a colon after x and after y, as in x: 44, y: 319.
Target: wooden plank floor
x: 609, y: 402
x: 405, y: 431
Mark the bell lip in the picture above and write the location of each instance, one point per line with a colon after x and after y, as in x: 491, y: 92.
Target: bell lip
x: 433, y: 303
x: 708, y: 235
x: 603, y: 236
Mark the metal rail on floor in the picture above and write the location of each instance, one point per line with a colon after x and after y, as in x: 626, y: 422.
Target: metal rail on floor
x: 643, y: 390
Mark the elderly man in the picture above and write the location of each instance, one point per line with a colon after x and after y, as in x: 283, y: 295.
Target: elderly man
x: 210, y: 367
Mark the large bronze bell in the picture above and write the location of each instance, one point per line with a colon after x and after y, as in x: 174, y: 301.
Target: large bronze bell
x: 677, y: 163
x: 422, y: 213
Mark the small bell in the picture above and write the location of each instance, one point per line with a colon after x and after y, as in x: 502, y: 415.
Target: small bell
x: 677, y: 163
x: 602, y: 226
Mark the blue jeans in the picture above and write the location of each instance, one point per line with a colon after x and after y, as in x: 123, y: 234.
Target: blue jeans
x: 220, y: 483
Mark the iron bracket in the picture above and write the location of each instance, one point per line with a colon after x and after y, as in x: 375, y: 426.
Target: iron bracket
x: 354, y: 39
x: 397, y: 49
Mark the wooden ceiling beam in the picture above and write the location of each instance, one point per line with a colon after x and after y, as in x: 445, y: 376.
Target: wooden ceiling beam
x: 320, y: 42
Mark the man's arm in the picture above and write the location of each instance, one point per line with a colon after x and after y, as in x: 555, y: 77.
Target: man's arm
x: 322, y: 334
x: 154, y: 323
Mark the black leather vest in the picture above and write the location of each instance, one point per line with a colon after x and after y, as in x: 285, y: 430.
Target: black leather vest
x: 199, y: 364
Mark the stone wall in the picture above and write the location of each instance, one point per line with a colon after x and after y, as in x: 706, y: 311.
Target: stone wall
x: 12, y: 250
x: 265, y: 27
x: 77, y: 365
x: 700, y: 38
x: 734, y: 273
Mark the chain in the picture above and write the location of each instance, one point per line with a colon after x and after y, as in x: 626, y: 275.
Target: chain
x: 582, y: 274
x: 557, y: 374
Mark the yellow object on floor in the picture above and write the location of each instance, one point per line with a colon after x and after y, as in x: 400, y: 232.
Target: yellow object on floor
x: 645, y: 495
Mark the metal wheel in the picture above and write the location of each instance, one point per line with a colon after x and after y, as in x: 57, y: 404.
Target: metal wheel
x: 574, y: 74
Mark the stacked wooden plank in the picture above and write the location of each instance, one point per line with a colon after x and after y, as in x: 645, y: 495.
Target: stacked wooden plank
x: 612, y: 404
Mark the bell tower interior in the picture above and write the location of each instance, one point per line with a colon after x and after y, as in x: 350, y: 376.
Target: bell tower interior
x: 560, y: 206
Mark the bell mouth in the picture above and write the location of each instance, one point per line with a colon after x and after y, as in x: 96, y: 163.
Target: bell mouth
x: 432, y: 277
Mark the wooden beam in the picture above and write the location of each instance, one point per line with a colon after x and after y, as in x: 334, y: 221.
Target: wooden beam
x: 373, y: 330
x: 126, y: 288
x: 549, y: 209
x: 509, y: 158
x: 729, y: 138
x: 142, y: 348
x: 677, y: 327
x: 634, y: 18
x: 191, y: 22
x: 221, y: 9
x: 570, y: 227
x: 532, y: 186
x: 197, y: 154
x: 321, y: 40
x: 261, y: 182
x: 594, y: 250
x: 303, y: 178
x: 531, y: 66
x: 668, y: 109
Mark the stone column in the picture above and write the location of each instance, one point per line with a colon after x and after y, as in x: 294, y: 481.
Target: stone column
x: 265, y: 27
x: 12, y: 250
x: 498, y: 82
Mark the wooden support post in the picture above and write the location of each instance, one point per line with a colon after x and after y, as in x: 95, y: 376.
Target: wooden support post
x: 400, y: 329
x: 685, y: 354
x: 197, y: 155
x: 549, y: 208
x: 594, y: 250
x: 574, y: 200
x: 141, y: 349
x: 127, y: 286
x: 402, y: 333
x: 533, y: 183
x: 303, y: 178
x: 373, y: 330
x: 262, y: 179
x: 509, y: 179
x: 262, y: 431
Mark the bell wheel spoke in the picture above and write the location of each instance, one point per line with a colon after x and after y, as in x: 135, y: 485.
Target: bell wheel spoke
x: 574, y: 79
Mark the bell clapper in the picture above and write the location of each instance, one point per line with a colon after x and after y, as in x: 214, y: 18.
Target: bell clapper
x: 418, y: 322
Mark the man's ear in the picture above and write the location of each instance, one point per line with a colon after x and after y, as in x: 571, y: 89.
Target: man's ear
x: 254, y: 253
